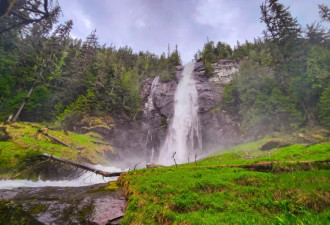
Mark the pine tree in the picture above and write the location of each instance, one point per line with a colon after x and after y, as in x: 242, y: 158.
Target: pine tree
x: 280, y: 24
x: 324, y: 12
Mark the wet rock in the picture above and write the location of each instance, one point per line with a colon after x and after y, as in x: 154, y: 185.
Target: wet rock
x: 108, y: 209
x: 219, y: 129
x: 199, y: 67
x: 158, y: 115
x: 69, y: 205
x: 144, y: 93
x: 164, y: 98
x: 11, y: 213
x: 143, y: 136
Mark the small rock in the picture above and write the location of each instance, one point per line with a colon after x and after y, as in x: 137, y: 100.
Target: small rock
x: 154, y: 165
x: 273, y: 144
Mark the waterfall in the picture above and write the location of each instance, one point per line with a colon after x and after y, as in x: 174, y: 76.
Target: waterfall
x: 150, y: 103
x: 183, y: 135
x: 149, y: 107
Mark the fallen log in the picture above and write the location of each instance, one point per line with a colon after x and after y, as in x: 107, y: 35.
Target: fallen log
x: 44, y: 132
x: 82, y: 166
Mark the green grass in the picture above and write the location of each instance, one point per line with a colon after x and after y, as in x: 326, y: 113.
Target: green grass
x: 207, y: 194
x: 26, y: 143
x: 251, y: 153
x: 226, y: 196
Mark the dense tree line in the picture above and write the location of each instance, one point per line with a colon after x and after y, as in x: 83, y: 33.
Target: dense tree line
x: 52, y: 76
x: 285, y: 82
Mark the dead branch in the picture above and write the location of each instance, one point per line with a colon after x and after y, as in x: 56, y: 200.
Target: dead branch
x: 196, y: 155
x: 53, y: 138
x: 81, y: 166
x: 174, y: 159
x: 136, y: 165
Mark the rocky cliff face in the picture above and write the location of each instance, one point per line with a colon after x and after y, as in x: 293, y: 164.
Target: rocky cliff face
x: 145, y: 135
x: 219, y: 129
x: 142, y: 138
x: 223, y: 71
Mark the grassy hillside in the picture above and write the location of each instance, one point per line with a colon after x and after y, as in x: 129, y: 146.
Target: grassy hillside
x: 24, y: 143
x: 250, y: 153
x: 207, y: 193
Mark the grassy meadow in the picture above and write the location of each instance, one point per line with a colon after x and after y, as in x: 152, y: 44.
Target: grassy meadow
x: 207, y: 193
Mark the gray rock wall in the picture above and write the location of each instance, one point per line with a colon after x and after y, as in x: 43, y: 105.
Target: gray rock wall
x: 223, y: 71
x: 219, y: 129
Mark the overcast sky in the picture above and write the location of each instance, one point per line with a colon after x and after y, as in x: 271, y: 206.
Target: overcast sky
x: 153, y: 24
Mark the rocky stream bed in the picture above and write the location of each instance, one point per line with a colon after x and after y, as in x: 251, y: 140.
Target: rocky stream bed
x: 96, y: 204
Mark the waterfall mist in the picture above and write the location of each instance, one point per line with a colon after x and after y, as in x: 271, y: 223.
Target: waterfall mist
x: 184, y: 135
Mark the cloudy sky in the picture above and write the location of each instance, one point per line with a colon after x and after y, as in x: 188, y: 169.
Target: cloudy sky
x: 153, y: 24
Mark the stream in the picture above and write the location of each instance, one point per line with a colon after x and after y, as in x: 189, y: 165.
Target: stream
x: 86, y: 199
x: 85, y: 179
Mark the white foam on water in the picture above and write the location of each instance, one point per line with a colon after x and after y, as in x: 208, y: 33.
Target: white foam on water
x: 86, y: 179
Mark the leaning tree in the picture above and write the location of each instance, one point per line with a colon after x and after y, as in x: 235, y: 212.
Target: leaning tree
x: 21, y: 13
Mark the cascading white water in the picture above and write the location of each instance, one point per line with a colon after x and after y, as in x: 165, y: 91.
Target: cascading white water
x: 184, y: 136
x: 150, y: 103
x: 85, y: 179
x: 149, y: 107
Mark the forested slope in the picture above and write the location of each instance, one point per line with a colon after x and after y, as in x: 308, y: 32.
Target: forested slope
x: 284, y: 76
x: 68, y: 77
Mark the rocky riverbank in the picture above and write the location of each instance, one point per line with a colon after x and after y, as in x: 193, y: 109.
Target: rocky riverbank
x: 97, y: 204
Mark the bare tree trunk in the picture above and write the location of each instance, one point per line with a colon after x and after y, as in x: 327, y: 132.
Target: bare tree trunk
x: 309, y: 115
x: 24, y: 102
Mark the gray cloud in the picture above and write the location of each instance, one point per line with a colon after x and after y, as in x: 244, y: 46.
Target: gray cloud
x: 153, y: 24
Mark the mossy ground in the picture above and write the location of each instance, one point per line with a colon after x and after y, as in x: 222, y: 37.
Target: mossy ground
x: 208, y: 194
x: 111, y: 186
x: 11, y: 213
x: 26, y: 143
